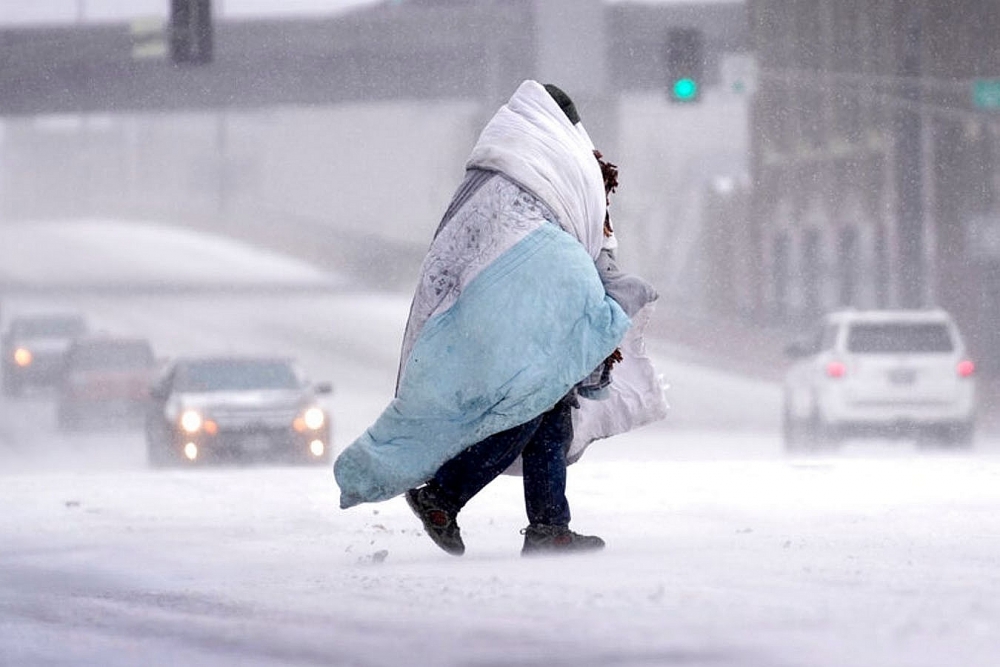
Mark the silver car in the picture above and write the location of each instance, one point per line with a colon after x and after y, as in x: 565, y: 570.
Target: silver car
x: 233, y: 408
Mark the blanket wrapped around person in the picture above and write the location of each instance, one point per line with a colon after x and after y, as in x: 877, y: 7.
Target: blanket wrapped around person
x: 510, y: 311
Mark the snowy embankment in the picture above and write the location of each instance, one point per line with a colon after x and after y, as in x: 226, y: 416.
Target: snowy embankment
x: 97, y: 253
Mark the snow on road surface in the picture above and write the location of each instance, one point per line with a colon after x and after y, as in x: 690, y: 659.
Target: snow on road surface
x: 721, y: 550
x: 819, y: 562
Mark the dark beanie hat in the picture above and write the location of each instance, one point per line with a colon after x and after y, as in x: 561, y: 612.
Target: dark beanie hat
x: 564, y: 102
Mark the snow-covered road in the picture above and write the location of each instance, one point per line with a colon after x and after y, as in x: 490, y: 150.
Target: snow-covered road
x: 722, y: 551
x: 821, y: 562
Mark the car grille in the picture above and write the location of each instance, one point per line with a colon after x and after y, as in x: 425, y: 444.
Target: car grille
x: 45, y: 363
x: 231, y: 419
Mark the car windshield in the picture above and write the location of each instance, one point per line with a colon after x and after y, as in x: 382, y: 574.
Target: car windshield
x: 899, y: 337
x: 111, y: 356
x: 236, y: 375
x: 55, y: 327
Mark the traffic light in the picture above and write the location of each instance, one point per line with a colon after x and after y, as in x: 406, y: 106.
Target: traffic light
x: 191, y: 31
x: 685, y: 56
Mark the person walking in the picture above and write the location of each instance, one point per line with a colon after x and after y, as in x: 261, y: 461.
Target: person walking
x: 513, y: 330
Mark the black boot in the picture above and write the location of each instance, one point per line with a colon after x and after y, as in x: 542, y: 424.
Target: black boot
x: 439, y: 522
x: 540, y: 539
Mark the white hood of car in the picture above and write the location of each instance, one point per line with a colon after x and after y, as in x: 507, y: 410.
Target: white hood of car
x: 44, y: 345
x: 244, y: 400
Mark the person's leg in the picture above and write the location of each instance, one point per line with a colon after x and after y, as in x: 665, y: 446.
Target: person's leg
x: 544, y: 467
x: 465, y: 475
x: 544, y: 460
x: 438, y: 502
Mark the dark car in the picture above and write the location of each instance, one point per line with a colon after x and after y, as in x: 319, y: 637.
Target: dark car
x: 105, y: 382
x: 33, y: 349
x: 234, y: 408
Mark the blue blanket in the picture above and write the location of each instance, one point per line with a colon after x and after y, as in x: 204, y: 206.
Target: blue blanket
x: 526, y: 329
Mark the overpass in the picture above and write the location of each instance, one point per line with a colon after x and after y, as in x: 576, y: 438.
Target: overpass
x: 415, y: 49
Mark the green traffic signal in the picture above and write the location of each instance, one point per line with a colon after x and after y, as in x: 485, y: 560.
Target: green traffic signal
x: 685, y: 89
x: 684, y: 63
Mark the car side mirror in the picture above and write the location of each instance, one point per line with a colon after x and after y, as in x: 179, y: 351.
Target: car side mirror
x: 323, y: 388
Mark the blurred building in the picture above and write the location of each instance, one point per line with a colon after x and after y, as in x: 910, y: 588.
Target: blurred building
x: 875, y: 160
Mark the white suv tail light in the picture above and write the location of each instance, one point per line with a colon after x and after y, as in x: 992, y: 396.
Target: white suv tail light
x: 836, y: 369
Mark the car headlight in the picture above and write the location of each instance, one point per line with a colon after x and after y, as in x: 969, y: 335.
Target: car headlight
x: 313, y: 418
x: 191, y: 421
x: 22, y: 357
x: 317, y: 447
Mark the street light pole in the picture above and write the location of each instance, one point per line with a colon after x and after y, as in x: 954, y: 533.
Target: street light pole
x: 910, y: 165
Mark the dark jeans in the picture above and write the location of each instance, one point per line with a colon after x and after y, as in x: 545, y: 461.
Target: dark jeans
x: 541, y: 443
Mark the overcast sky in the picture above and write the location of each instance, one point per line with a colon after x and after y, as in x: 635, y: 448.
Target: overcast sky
x: 70, y: 11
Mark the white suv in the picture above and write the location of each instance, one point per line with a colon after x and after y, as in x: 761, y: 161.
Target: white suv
x: 886, y: 372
